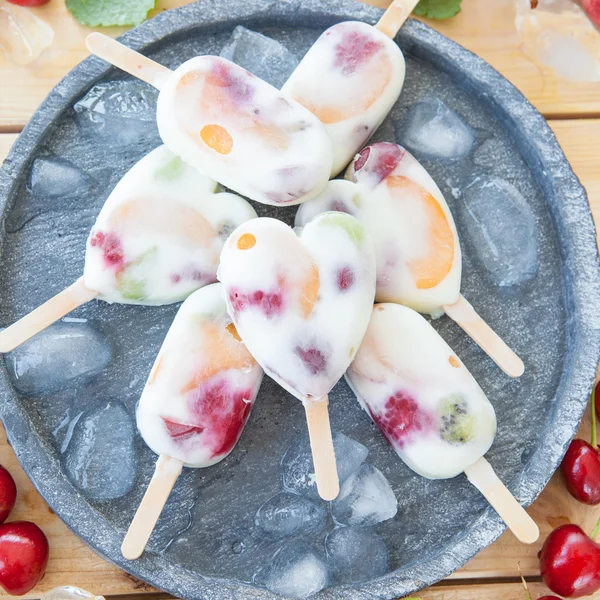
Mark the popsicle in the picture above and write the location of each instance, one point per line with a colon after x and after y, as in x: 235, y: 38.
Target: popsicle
x: 232, y: 126
x: 157, y: 239
x: 351, y: 77
x: 416, y: 243
x: 302, y: 303
x: 429, y: 407
x: 195, y: 404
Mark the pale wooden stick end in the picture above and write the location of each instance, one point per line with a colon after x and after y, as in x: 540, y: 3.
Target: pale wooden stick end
x: 483, y: 477
x: 487, y: 339
x: 165, y: 475
x: 321, y: 443
x: 395, y: 16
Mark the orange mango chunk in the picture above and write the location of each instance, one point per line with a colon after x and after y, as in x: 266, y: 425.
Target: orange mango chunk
x: 217, y: 138
x: 429, y: 270
x: 160, y: 216
x: 310, y: 291
x: 221, y: 351
x: 246, y: 241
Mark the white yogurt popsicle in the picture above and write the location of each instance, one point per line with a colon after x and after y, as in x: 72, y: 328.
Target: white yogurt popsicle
x: 301, y: 303
x: 241, y: 131
x: 420, y: 395
x: 430, y: 408
x: 160, y: 233
x: 416, y: 244
x: 350, y: 78
x: 196, y: 402
x: 202, y: 387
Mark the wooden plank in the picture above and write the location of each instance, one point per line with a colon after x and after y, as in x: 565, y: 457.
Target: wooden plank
x: 486, y: 28
x: 73, y: 563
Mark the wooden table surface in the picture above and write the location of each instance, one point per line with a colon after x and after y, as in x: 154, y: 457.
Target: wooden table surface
x: 573, y: 110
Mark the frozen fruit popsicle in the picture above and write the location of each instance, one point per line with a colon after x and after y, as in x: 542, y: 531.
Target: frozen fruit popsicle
x: 429, y: 407
x: 351, y: 77
x: 301, y: 303
x: 156, y: 240
x: 232, y: 126
x: 416, y: 243
x: 196, y: 402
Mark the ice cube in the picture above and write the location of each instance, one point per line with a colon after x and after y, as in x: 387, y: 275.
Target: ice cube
x: 349, y: 455
x: 59, y: 356
x: 101, y: 458
x: 298, y: 469
x: 366, y: 498
x: 296, y: 570
x: 356, y: 554
x: 52, y: 177
x: 119, y: 112
x: 288, y: 514
x: 432, y: 128
x: 261, y: 55
x: 501, y: 228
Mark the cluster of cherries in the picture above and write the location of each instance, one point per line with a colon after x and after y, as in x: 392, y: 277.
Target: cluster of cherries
x: 23, y: 545
x: 570, y: 559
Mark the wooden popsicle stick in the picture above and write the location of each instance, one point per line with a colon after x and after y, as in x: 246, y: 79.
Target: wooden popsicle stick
x: 128, y: 60
x: 484, y: 478
x: 46, y: 314
x: 165, y: 475
x: 395, y: 16
x: 488, y: 340
x: 321, y: 443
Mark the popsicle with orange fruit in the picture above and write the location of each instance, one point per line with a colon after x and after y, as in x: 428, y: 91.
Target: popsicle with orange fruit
x: 416, y: 243
x: 301, y: 303
x: 195, y: 404
x: 156, y: 240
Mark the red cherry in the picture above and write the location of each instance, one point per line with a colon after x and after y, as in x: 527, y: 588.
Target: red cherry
x: 29, y: 2
x: 570, y: 562
x: 549, y: 598
x: 581, y: 470
x: 23, y: 556
x: 8, y: 493
x: 597, y: 399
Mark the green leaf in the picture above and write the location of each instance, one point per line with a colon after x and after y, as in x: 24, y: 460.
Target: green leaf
x: 438, y: 9
x: 106, y: 13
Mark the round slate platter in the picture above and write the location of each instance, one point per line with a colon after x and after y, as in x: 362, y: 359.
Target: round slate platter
x: 206, y: 544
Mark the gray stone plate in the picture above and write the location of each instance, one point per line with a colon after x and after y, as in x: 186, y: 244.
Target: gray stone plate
x: 206, y: 545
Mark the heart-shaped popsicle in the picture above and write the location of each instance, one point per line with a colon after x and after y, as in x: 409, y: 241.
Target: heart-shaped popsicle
x: 232, y: 126
x: 301, y: 303
x: 429, y: 407
x: 157, y: 239
x: 196, y: 402
x: 416, y: 243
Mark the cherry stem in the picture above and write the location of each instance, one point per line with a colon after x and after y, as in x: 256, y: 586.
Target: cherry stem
x: 525, y: 586
x: 593, y: 402
x: 596, y: 531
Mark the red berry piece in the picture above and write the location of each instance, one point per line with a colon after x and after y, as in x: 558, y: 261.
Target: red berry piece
x: 570, y: 562
x: 270, y: 303
x: 592, y: 10
x: 379, y: 159
x: 236, y: 86
x: 112, y: 249
x: 402, y: 418
x: 314, y: 360
x: 23, y: 556
x: 8, y: 494
x: 355, y: 50
x: 581, y: 470
x: 181, y: 431
x: 222, y: 411
x: 345, y: 278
